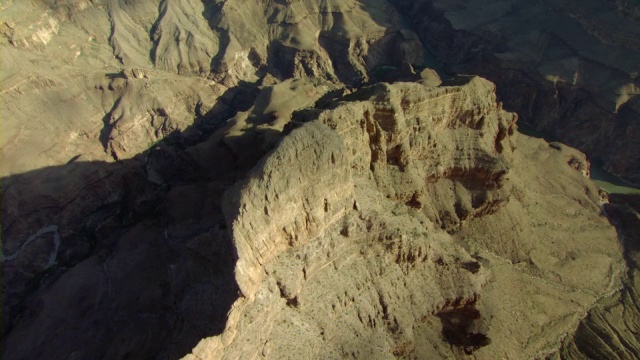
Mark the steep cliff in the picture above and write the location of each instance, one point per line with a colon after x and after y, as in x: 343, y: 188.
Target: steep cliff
x: 403, y: 222
x: 570, y: 68
x: 290, y: 179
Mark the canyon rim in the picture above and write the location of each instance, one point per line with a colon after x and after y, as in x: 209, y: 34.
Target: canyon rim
x: 209, y: 179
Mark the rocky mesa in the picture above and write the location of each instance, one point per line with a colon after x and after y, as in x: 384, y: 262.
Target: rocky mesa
x: 399, y: 222
x: 317, y: 179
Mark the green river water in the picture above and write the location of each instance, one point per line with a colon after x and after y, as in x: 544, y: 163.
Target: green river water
x: 605, y: 180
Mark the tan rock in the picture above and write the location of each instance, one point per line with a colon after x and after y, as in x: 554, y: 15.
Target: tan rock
x: 393, y: 220
x: 323, y: 277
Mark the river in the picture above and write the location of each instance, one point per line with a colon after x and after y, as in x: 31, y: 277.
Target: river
x: 605, y: 180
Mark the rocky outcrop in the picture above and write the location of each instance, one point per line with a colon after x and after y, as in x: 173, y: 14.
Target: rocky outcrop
x: 222, y: 180
x: 356, y: 257
x: 374, y: 227
x: 569, y: 68
x: 408, y: 139
x: 276, y: 212
x: 195, y: 56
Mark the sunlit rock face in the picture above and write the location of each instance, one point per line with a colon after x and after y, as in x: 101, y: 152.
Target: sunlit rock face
x: 315, y: 179
x: 131, y: 72
x: 568, y: 68
x: 409, y: 228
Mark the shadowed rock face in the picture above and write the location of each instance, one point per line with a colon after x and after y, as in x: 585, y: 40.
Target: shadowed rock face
x: 570, y: 68
x: 115, y: 266
x: 389, y: 242
x: 216, y: 180
x: 604, y: 333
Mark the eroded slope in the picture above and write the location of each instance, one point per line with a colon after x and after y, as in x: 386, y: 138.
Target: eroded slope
x: 570, y: 68
x: 378, y: 231
x: 106, y: 79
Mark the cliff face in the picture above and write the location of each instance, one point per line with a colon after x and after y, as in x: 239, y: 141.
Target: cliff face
x: 408, y: 225
x: 569, y: 68
x: 121, y: 75
x: 216, y: 180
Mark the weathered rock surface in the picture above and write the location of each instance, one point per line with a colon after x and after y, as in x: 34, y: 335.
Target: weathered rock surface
x: 223, y: 180
x: 570, y: 68
x: 611, y: 329
x: 106, y: 79
x: 365, y: 235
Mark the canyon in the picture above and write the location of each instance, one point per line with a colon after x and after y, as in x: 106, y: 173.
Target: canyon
x: 319, y: 179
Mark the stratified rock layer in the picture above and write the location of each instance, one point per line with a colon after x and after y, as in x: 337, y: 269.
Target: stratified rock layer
x: 570, y: 68
x: 393, y: 220
x: 366, y: 234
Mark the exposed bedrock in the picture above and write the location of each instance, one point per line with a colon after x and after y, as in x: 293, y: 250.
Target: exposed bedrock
x: 568, y: 68
x: 290, y: 179
x: 381, y: 244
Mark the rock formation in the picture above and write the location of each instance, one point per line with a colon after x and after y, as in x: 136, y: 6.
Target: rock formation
x: 570, y: 68
x: 403, y: 215
x: 315, y: 179
x: 610, y: 327
x: 186, y: 54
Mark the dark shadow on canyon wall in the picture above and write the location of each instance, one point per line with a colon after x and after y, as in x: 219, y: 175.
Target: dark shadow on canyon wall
x: 579, y: 115
x: 623, y: 211
x: 602, y: 333
x: 461, y: 328
x: 124, y: 260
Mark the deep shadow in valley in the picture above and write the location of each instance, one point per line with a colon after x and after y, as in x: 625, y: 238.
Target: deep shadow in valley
x: 122, y: 260
x: 571, y: 112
